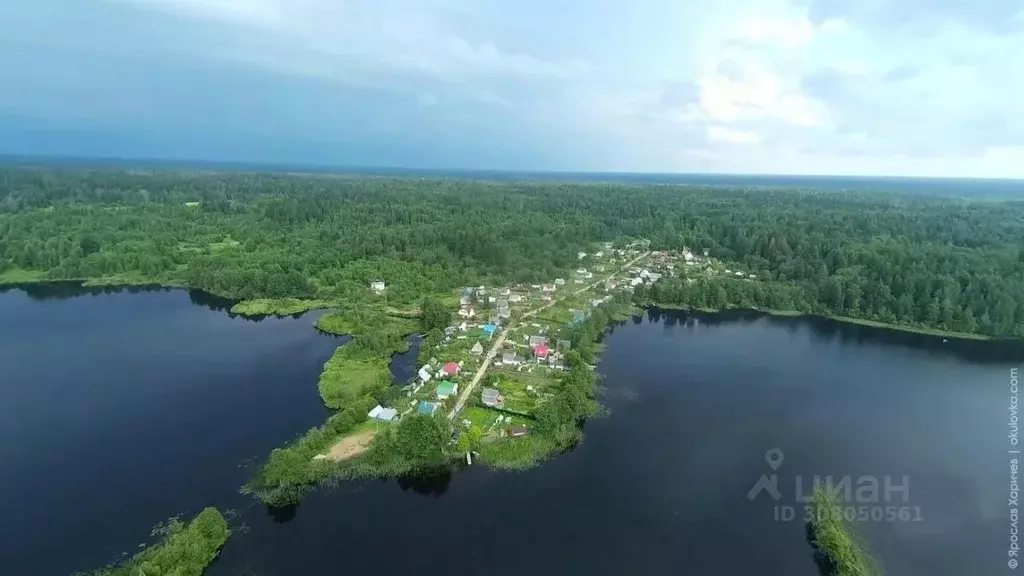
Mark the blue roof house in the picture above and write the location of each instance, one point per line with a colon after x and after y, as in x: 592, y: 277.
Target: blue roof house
x: 427, y: 408
x: 489, y: 329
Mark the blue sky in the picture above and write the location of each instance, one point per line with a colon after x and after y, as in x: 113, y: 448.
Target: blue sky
x: 872, y: 87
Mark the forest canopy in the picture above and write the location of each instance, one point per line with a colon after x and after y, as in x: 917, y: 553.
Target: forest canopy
x: 944, y: 262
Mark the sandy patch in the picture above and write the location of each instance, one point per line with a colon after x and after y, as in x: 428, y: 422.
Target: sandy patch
x: 350, y: 446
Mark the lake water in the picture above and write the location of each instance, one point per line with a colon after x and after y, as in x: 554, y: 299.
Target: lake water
x: 125, y: 409
x: 119, y: 410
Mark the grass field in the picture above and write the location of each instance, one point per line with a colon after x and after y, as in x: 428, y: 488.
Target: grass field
x: 19, y: 276
x: 278, y: 306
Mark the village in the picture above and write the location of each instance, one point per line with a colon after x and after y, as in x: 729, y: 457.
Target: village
x: 498, y: 360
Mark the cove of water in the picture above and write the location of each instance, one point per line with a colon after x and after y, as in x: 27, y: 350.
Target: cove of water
x: 120, y: 410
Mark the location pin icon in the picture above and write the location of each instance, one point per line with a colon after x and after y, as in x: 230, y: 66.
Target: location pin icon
x: 774, y: 458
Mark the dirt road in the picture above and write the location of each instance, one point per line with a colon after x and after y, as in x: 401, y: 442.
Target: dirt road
x: 468, y: 390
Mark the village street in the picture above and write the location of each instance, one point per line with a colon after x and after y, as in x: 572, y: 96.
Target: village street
x: 496, y: 347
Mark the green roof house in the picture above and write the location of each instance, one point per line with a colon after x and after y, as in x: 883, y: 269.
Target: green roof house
x: 446, y: 389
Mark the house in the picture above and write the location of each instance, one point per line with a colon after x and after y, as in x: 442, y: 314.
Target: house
x: 451, y: 369
x: 515, y: 298
x: 427, y: 408
x: 501, y: 304
x: 581, y: 271
x: 753, y: 276
x: 377, y: 286
x: 477, y: 349
x: 636, y: 281
x: 446, y: 389
x: 537, y: 341
x: 559, y: 281
x: 581, y: 255
x: 654, y: 277
x: 491, y: 299
x: 492, y: 397
x: 541, y: 352
x: 490, y: 329
x: 645, y: 273
x: 467, y: 292
x: 382, y: 414
x: 424, y: 373
x: 449, y: 330
x: 687, y: 256
x: 705, y: 253
x: 588, y: 275
x: 599, y: 254
x: 463, y: 327
x: 504, y: 312
x: 564, y: 344
x: 517, y: 431
x: 546, y: 298
x: 505, y: 292
x: 548, y: 288
x: 465, y: 301
x: 509, y: 358
x: 467, y: 312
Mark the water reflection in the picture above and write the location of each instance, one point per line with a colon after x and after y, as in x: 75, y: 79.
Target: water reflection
x: 433, y: 482
x: 283, y: 514
x: 65, y: 289
x: 976, y: 351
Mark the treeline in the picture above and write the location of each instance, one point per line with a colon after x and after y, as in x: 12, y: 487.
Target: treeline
x: 939, y: 262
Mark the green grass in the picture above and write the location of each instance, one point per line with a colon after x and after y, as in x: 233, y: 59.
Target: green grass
x: 835, y: 539
x: 346, y: 377
x: 517, y: 397
x: 366, y: 322
x: 517, y: 453
x: 278, y: 306
x: 184, y: 550
x: 19, y: 276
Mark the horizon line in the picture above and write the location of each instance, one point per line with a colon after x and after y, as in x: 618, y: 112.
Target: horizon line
x: 299, y: 167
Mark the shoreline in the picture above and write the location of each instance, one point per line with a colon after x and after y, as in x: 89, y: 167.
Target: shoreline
x: 921, y: 330
x: 291, y: 306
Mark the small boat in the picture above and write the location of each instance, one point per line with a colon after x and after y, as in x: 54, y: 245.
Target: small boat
x: 945, y: 340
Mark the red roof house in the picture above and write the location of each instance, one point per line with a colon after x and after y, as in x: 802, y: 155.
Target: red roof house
x: 541, y: 352
x: 451, y: 368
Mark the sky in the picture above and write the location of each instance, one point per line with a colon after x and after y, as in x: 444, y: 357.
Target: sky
x: 866, y: 87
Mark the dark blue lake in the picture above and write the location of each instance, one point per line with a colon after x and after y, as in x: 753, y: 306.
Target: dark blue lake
x: 117, y: 411
x: 120, y: 410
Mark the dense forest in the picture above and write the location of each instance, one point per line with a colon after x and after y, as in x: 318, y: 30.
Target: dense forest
x: 944, y: 262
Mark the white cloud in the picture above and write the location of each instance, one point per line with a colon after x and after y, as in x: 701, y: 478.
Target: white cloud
x: 399, y: 35
x: 795, y: 31
x: 490, y: 97
x: 803, y: 85
x: 723, y: 134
